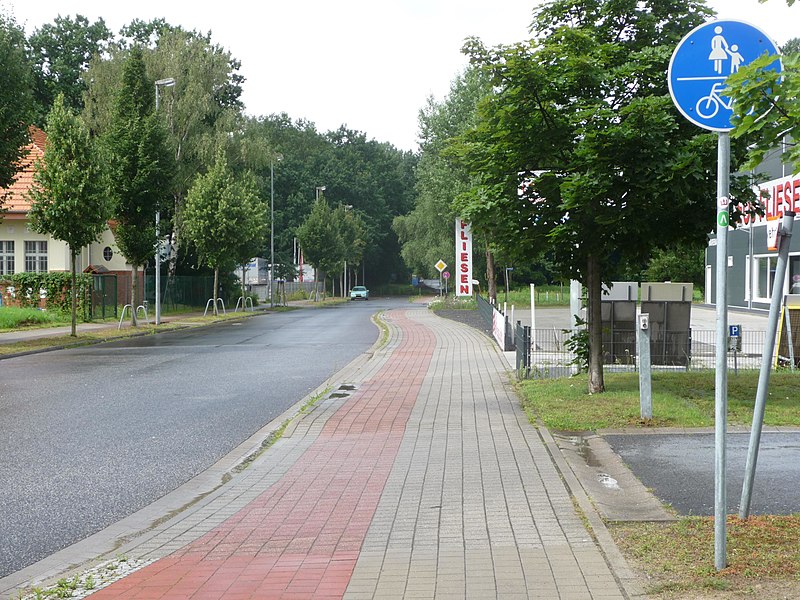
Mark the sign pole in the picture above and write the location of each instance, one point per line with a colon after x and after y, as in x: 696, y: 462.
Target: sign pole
x: 784, y: 236
x: 721, y: 379
x: 700, y: 65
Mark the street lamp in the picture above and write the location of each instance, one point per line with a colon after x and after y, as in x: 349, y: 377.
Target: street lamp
x: 347, y: 207
x: 278, y: 158
x: 168, y: 82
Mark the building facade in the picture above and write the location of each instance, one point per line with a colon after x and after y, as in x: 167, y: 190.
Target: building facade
x: 751, y: 263
x: 24, y: 250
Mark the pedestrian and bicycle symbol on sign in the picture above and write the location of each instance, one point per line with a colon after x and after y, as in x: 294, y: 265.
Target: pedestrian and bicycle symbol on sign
x: 702, y: 62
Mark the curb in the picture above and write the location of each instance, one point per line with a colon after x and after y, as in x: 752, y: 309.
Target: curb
x: 614, y: 558
x: 93, y: 342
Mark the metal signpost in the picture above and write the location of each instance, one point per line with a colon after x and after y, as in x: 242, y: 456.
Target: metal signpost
x: 440, y: 266
x: 700, y: 64
x: 785, y: 234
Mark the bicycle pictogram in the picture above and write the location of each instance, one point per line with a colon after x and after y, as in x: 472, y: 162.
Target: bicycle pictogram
x: 708, y: 106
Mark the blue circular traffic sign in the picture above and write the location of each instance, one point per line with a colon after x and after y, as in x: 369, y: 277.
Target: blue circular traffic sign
x: 704, y: 59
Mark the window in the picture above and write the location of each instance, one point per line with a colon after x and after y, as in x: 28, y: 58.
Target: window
x: 108, y: 254
x: 794, y: 274
x: 36, y: 257
x: 764, y: 276
x: 6, y: 258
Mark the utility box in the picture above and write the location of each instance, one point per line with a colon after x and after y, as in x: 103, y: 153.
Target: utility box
x: 618, y: 314
x: 670, y: 308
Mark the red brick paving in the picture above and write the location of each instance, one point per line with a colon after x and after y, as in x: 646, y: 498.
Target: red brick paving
x: 301, y: 538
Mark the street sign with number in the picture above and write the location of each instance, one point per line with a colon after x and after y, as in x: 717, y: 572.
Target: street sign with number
x: 704, y: 59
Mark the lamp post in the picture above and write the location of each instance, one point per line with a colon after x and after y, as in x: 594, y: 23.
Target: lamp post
x: 319, y: 190
x: 278, y: 158
x: 347, y: 207
x: 168, y: 82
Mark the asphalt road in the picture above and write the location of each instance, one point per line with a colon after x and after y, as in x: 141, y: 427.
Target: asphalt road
x: 679, y: 468
x: 92, y: 435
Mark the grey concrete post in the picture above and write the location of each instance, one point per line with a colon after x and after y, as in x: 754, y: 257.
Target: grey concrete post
x: 645, y: 382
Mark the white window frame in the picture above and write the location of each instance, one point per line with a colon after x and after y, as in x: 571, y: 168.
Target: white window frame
x: 760, y: 295
x: 7, y: 262
x: 36, y: 256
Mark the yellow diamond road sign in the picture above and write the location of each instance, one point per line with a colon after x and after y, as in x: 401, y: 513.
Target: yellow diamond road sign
x: 441, y: 266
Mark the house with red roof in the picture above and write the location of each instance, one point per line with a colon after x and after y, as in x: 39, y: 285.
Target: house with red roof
x: 24, y: 250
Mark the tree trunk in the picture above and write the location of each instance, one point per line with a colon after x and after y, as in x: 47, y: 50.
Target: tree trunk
x: 491, y: 284
x: 74, y: 296
x: 216, y: 284
x: 172, y: 259
x: 594, y: 292
x: 134, y: 294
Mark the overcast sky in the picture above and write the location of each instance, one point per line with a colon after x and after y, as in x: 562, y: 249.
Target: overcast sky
x: 369, y: 64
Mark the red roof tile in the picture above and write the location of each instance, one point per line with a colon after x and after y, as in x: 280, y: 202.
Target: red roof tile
x: 17, y: 202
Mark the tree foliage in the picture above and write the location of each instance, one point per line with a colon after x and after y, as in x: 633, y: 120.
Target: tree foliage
x: 16, y: 98
x: 69, y: 197
x: 141, y: 166
x: 199, y: 112
x: 580, y: 151
x: 225, y: 218
x: 426, y: 232
x: 60, y: 52
x: 766, y: 104
x: 319, y: 238
x: 375, y: 178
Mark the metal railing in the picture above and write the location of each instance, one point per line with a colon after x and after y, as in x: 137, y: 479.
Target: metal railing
x: 544, y: 353
x: 498, y: 323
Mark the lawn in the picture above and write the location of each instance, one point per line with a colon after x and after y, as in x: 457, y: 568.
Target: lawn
x: 678, y: 558
x: 683, y: 399
x: 12, y: 317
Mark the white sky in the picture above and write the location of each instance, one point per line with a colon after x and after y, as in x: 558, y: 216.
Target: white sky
x: 369, y: 64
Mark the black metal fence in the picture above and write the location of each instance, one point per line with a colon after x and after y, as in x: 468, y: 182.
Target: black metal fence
x: 545, y: 353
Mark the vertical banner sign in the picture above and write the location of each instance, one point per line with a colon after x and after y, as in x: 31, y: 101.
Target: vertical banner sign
x: 463, y: 258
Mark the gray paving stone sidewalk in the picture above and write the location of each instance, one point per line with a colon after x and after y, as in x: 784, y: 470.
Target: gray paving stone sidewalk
x: 474, y: 506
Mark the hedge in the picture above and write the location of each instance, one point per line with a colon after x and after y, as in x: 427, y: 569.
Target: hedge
x: 28, y: 290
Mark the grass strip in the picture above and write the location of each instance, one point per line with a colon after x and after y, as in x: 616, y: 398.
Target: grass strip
x: 763, y: 555
x: 684, y: 399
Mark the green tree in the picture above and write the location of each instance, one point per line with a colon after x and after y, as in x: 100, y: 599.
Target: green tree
x: 766, y: 104
x: 684, y: 263
x: 61, y: 52
x: 69, y: 198
x: 580, y: 151
x: 427, y: 232
x: 253, y: 229
x: 352, y: 234
x: 199, y: 113
x: 224, y: 218
x: 319, y: 238
x: 16, y: 99
x: 141, y: 168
